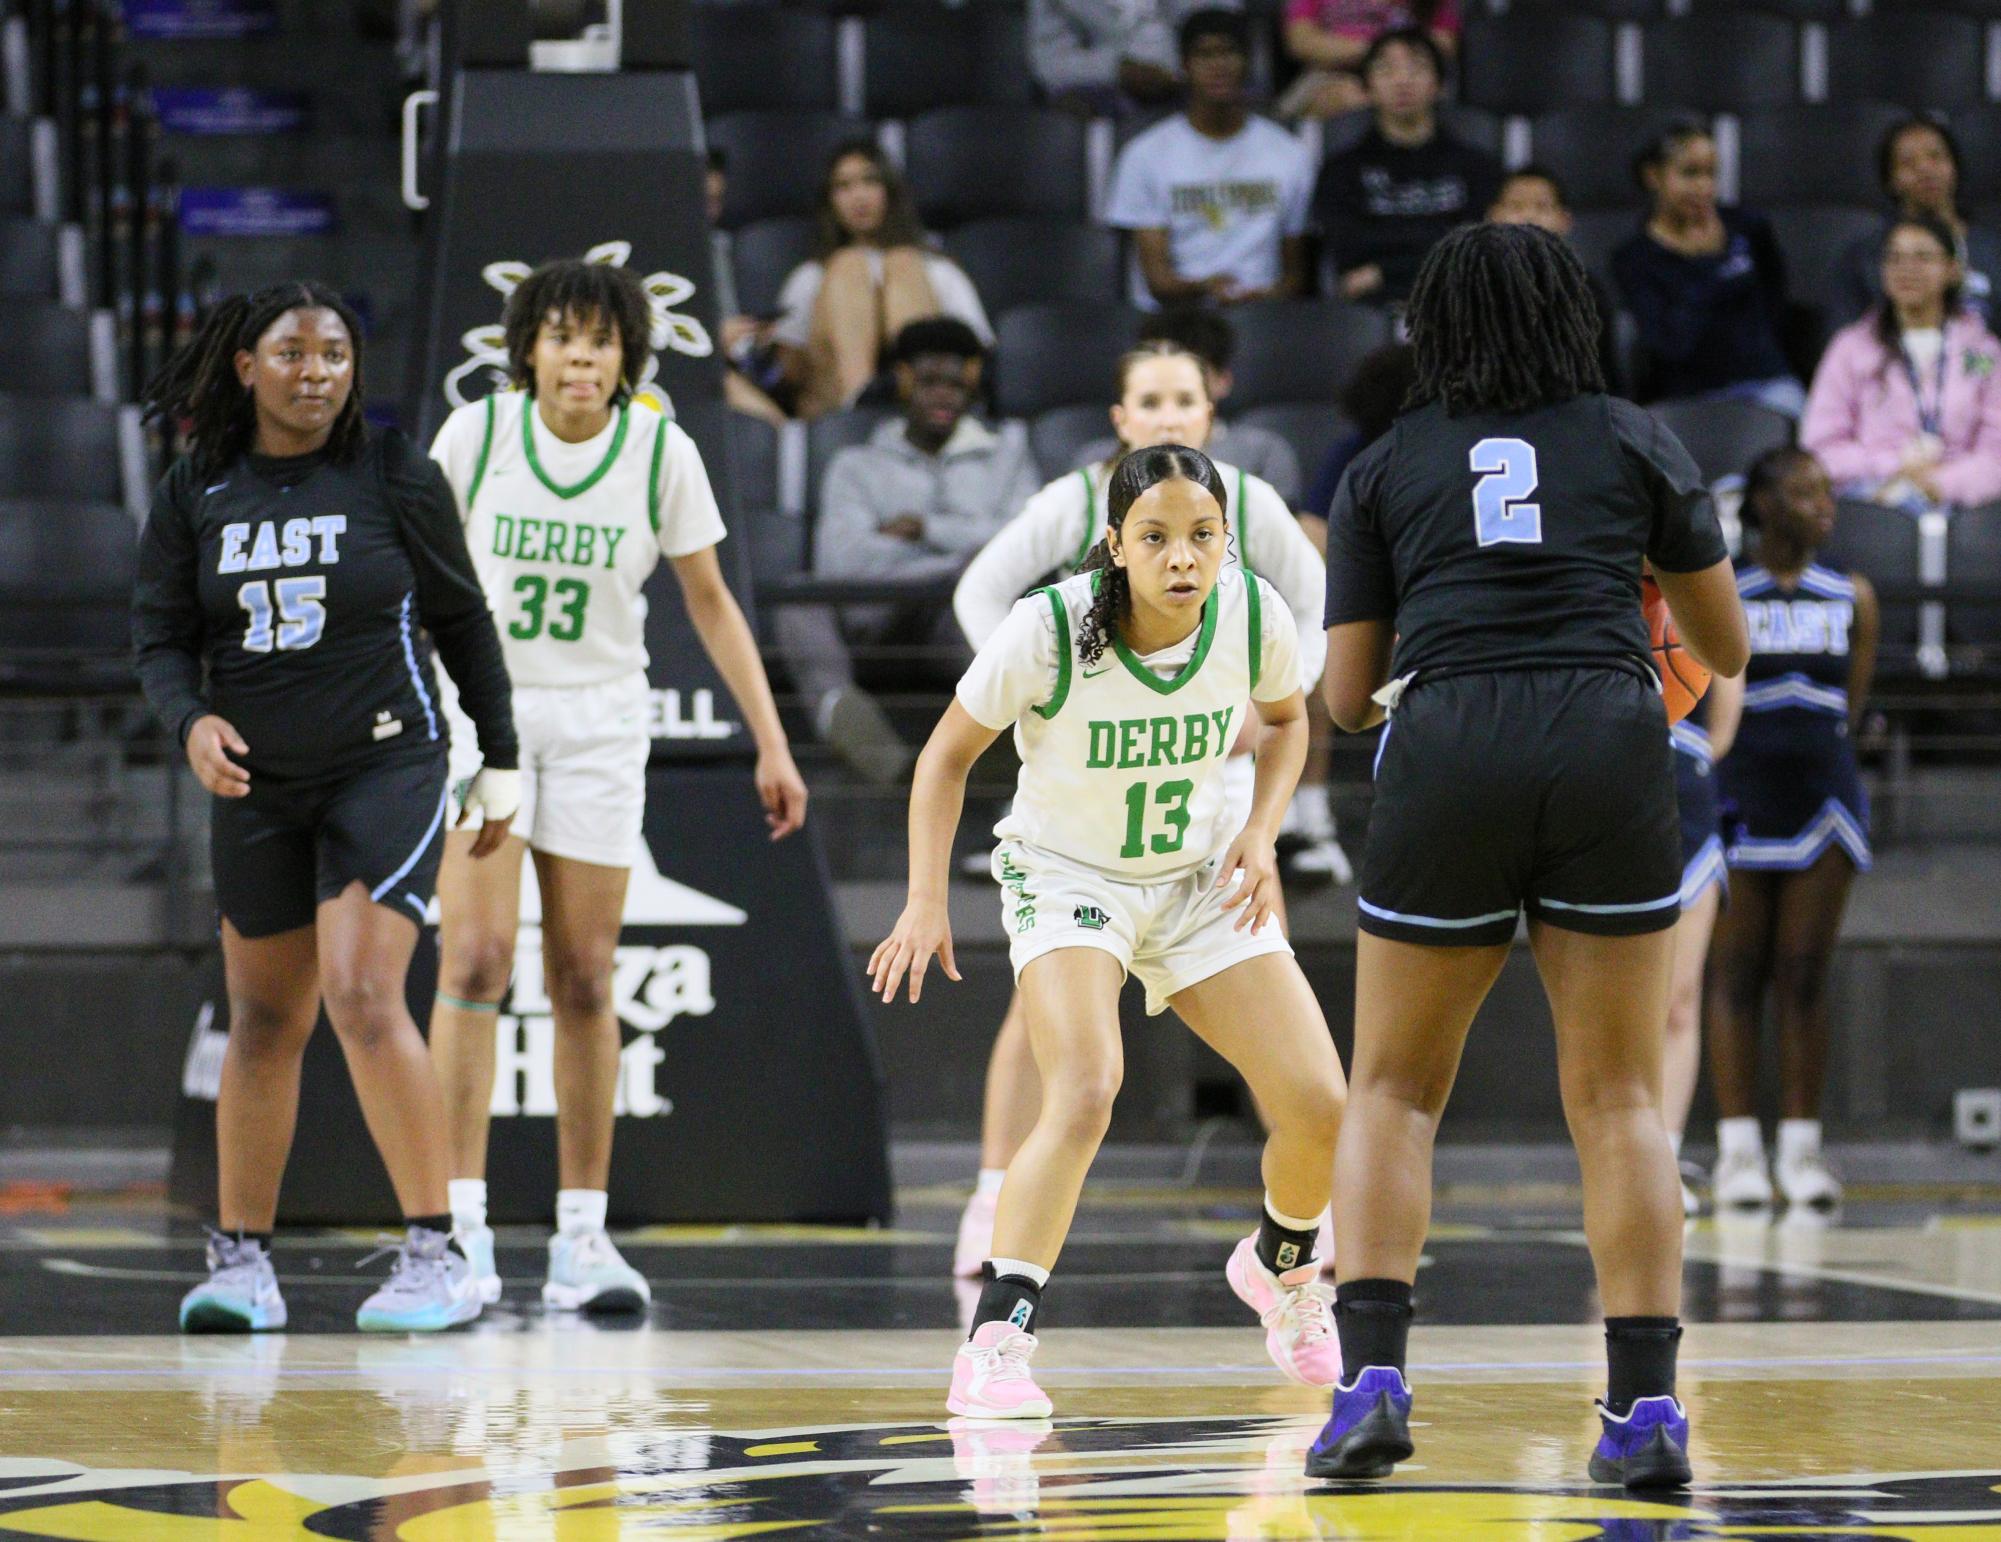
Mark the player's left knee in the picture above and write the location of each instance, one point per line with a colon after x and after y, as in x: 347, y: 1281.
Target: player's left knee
x: 578, y: 986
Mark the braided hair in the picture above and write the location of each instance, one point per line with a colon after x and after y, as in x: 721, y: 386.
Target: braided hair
x: 1502, y: 319
x: 1138, y: 472
x: 198, y: 389
x: 584, y: 292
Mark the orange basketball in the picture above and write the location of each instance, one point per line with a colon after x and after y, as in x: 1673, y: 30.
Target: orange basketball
x: 1683, y: 679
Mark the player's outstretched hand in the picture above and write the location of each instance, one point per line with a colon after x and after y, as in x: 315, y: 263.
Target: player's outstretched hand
x: 1254, y: 861
x: 923, y: 929
x: 497, y: 796
x: 211, y: 742
x: 782, y: 791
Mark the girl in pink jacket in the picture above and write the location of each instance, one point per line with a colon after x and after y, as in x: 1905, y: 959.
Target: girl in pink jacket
x: 1906, y: 405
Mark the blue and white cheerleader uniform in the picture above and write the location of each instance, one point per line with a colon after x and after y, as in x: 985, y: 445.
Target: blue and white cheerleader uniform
x: 1791, y: 780
x: 1701, y: 814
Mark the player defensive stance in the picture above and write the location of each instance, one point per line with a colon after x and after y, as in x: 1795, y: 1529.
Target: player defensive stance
x: 1494, y: 539
x: 1125, y: 685
x: 295, y: 570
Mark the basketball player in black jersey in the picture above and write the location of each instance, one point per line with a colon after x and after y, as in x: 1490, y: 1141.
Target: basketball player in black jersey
x: 1483, y: 585
x: 293, y: 576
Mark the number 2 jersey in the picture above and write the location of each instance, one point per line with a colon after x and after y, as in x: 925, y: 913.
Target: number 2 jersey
x: 299, y: 599
x: 1513, y: 540
x: 1122, y: 757
x: 564, y: 536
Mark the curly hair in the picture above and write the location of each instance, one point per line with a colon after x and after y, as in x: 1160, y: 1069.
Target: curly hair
x: 198, y: 389
x: 1137, y: 473
x: 585, y: 292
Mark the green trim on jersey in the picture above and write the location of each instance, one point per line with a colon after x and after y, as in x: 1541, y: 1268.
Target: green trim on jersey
x: 1055, y: 703
x: 535, y: 465
x: 1090, y: 521
x: 1153, y: 681
x: 485, y: 450
x: 653, y: 477
x: 1255, y: 606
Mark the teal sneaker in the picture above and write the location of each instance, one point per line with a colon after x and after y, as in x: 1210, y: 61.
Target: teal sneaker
x: 240, y: 1294
x: 478, y: 1244
x: 431, y: 1287
x: 586, y: 1273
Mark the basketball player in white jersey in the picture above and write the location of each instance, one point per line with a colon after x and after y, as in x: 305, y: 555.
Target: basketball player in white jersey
x: 1126, y: 685
x: 571, y: 492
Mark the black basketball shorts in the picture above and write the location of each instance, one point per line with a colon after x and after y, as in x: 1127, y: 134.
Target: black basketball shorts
x: 288, y: 846
x: 1547, y: 790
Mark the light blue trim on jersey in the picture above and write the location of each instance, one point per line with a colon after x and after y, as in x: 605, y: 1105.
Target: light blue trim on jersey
x: 1833, y: 825
x: 1637, y: 908
x: 410, y: 861
x: 410, y: 662
x: 1376, y: 766
x: 1706, y: 867
x: 1796, y: 690
x: 1693, y: 741
x: 1456, y: 925
x: 1822, y: 583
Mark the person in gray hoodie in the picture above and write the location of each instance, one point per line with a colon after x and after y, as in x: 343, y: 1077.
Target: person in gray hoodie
x: 1109, y: 57
x: 926, y: 492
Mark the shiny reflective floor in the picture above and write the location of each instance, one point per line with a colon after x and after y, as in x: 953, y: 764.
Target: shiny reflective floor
x: 1844, y: 1380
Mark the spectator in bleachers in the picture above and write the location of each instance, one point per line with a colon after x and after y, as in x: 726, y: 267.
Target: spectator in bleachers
x: 1532, y: 195
x: 1918, y: 165
x: 1906, y: 404
x: 1706, y: 285
x: 747, y: 355
x: 916, y: 502
x: 1384, y: 202
x: 1216, y: 198
x: 875, y: 274
x: 1330, y: 37
x: 1210, y: 337
x: 1108, y: 58
x: 1371, y: 401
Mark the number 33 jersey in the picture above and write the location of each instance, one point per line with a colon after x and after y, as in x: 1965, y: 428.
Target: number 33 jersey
x: 1122, y: 756
x: 565, y: 535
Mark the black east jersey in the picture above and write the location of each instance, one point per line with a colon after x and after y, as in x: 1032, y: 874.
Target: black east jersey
x: 1527, y: 764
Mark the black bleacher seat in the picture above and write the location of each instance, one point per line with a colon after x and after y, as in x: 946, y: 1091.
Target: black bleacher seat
x: 1598, y: 233
x: 763, y: 256
x: 1724, y: 435
x: 1019, y: 261
x: 1058, y: 355
x: 1301, y: 350
x: 1532, y: 61
x: 1060, y: 436
x: 1474, y: 126
x: 777, y: 539
x: 1309, y: 427
x: 1611, y: 10
x: 44, y: 349
x: 1882, y: 545
x: 1919, y: 58
x: 922, y: 57
x: 1973, y: 555
x: 1721, y: 61
x: 1985, y: 10
x: 66, y: 572
x: 968, y: 163
x: 1814, y: 239
x: 17, y: 168
x: 27, y: 259
x: 1592, y: 150
x: 1978, y: 134
x: 778, y: 160
x: 825, y: 438
x: 59, y: 447
x: 1798, y: 10
x: 1813, y: 154
x: 753, y: 56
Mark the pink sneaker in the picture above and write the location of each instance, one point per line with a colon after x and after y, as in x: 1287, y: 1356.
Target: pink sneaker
x: 990, y: 1377
x: 976, y: 1234
x: 1298, y: 1314
x: 1324, y: 1245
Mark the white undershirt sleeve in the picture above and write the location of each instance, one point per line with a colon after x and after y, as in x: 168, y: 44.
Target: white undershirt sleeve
x: 1042, y: 537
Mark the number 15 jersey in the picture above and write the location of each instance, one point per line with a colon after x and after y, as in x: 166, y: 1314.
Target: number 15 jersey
x: 564, y: 536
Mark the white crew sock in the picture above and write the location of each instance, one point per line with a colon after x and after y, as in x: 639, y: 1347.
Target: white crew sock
x: 579, y: 1211
x: 1291, y: 1222
x: 990, y: 1180
x: 1674, y: 1143
x: 1021, y: 1269
x: 468, y: 1202
x: 1799, y: 1139
x: 1735, y: 1137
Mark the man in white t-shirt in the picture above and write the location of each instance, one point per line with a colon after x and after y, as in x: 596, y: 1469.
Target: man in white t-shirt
x: 1217, y: 200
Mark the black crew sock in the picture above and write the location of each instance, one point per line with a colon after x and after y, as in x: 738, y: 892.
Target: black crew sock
x: 1010, y: 1298
x: 1280, y: 1248
x: 442, y: 1223
x: 1373, y: 1320
x: 1639, y: 1359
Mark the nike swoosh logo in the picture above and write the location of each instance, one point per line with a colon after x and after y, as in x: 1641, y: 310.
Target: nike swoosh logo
x: 1092, y: 674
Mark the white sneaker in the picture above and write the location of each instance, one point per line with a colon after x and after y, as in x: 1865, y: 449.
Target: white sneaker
x: 1741, y: 1182
x: 430, y: 1288
x: 1805, y: 1180
x: 587, y: 1273
x: 478, y: 1244
x: 1322, y: 858
x: 240, y: 1294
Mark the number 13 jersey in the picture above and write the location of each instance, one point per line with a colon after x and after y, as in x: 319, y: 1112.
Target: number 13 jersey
x: 564, y: 536
x: 1122, y: 756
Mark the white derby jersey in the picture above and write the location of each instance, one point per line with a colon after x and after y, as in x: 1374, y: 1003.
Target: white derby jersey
x: 564, y: 536
x: 1122, y: 757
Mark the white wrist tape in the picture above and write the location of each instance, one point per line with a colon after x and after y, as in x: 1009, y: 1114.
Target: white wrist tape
x: 495, y: 793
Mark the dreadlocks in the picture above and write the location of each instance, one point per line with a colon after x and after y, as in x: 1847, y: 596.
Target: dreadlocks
x: 586, y: 292
x: 198, y: 389
x: 1136, y: 473
x: 1502, y: 319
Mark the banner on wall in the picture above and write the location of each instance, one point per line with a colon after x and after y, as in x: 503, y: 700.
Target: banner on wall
x: 234, y: 110
x: 199, y: 20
